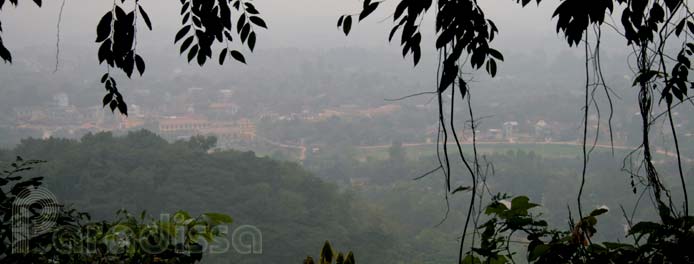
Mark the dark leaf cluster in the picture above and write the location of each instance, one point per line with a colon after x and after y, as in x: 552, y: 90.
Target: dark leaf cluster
x: 5, y: 54
x: 327, y: 256
x: 678, y: 82
x: 208, y: 22
x: 574, y: 17
x: 116, y: 33
x: 113, y: 99
x: 461, y: 27
x: 666, y: 242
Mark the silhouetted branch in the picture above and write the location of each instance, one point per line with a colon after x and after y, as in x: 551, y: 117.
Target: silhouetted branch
x: 57, y: 37
x: 407, y: 96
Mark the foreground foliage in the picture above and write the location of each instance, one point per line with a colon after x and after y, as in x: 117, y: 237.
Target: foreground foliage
x: 668, y: 242
x: 293, y: 209
x: 327, y: 256
x: 74, y: 238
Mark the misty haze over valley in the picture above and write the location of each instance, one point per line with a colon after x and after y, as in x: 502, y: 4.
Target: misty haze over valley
x: 322, y: 137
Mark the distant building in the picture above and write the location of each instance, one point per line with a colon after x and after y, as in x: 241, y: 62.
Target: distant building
x: 542, y: 131
x: 222, y: 111
x: 510, y: 128
x: 359, y: 182
x: 351, y: 110
x: 174, y: 126
x: 226, y: 132
x: 48, y: 116
x: 61, y: 100
x: 496, y: 134
x: 226, y: 93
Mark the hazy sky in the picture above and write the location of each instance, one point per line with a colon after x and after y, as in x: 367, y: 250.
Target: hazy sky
x: 298, y: 23
x: 309, y: 25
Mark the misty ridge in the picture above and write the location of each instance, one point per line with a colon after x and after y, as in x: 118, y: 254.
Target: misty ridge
x: 341, y: 132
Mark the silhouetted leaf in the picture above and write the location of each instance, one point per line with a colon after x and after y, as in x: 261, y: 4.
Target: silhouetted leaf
x: 107, y: 99
x: 598, y: 212
x: 113, y: 105
x: 493, y: 29
x: 140, y: 64
x: 103, y: 29
x: 193, y: 51
x: 123, y: 108
x: 201, y: 57
x: 238, y: 56
x: 184, y: 7
x: 537, y: 251
x: 109, y: 85
x: 491, y: 67
x: 496, y: 54
x: 225, y: 13
x: 416, y: 54
x: 222, y: 56
x: 450, y: 71
x: 197, y: 22
x: 219, y: 218
x: 186, y: 44
x: 347, y: 25
x: 128, y: 65
x: 240, y: 23
x: 251, y: 41
x: 462, y: 86
x: 444, y: 38
x: 104, y: 52
x: 368, y: 9
x: 392, y: 33
x: 145, y: 17
x: 400, y: 9
x: 326, y: 254
x: 244, y: 32
x: 645, y: 77
x: 120, y: 13
x: 258, y: 21
x: 5, y: 54
x: 657, y: 13
x: 461, y: 189
x: 350, y: 258
x: 309, y: 260
x: 477, y: 59
x: 251, y: 9
x: 182, y: 33
x: 644, y: 228
x: 680, y: 27
x: 522, y: 203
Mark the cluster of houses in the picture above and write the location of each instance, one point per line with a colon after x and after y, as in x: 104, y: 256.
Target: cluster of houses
x: 59, y: 118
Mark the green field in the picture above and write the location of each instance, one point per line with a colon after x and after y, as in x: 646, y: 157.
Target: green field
x: 544, y: 150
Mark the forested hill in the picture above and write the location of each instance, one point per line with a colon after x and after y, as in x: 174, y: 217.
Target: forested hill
x: 295, y: 211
